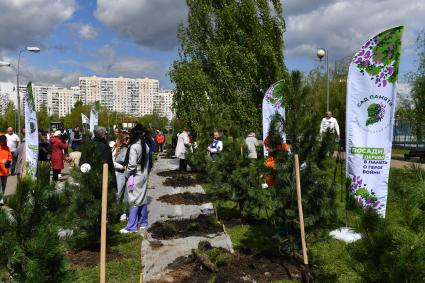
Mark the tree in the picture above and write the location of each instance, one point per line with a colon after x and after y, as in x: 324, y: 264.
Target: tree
x: 29, y: 244
x: 230, y: 53
x: 86, y: 201
x: 418, y: 91
x: 154, y: 122
x: 43, y: 118
x: 74, y: 117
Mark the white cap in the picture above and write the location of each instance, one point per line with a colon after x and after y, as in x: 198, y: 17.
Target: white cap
x: 57, y: 133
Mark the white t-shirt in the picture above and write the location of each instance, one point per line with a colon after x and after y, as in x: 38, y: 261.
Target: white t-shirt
x: 12, y: 141
x: 329, y: 124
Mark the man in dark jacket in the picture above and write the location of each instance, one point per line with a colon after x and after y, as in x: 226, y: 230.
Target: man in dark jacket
x: 100, y: 138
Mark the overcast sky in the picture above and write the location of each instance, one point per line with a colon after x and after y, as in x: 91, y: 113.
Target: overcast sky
x: 137, y: 38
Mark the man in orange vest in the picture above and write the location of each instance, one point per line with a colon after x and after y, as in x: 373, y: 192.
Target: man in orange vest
x: 160, y: 139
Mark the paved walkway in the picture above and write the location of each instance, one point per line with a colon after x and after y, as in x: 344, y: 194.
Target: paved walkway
x: 155, y: 260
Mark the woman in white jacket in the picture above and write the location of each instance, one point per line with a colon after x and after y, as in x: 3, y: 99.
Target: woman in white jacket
x: 183, y: 144
x: 137, y: 173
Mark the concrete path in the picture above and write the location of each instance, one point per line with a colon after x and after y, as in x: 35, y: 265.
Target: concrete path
x: 156, y: 259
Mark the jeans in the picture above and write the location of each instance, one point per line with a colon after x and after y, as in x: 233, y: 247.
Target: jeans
x: 3, y: 182
x: 56, y: 173
x: 121, y: 186
x: 12, y: 167
x: 138, y: 215
x: 160, y: 147
x: 182, y: 165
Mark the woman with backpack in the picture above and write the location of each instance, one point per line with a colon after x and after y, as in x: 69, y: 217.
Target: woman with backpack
x: 137, y: 173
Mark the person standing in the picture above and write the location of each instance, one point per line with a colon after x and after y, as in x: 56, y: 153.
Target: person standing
x: 5, y: 162
x: 216, y: 146
x: 13, y: 143
x: 160, y: 139
x: 137, y: 160
x: 20, y: 156
x: 252, y: 143
x: 329, y: 125
x: 119, y: 152
x: 174, y: 139
x: 105, y: 151
x: 58, y: 147
x: 150, y: 141
x: 183, y: 144
x: 75, y: 138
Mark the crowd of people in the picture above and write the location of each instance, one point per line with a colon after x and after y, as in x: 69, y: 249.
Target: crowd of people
x: 129, y: 158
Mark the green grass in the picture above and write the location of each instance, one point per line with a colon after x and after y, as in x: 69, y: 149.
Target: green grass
x: 124, y: 270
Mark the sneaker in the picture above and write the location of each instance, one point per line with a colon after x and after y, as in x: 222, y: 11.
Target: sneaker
x: 123, y: 217
x: 125, y: 231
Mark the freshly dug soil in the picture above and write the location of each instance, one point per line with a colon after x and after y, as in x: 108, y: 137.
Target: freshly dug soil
x: 185, y: 198
x: 173, y: 229
x: 183, y: 181
x: 242, y: 268
x: 84, y: 258
x: 174, y: 173
x: 155, y: 244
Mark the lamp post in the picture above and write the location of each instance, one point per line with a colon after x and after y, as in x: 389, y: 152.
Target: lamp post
x: 32, y: 49
x: 323, y: 53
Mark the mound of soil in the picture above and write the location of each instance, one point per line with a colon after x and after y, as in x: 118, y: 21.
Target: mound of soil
x: 155, y: 244
x: 183, y: 181
x: 185, y: 198
x: 242, y: 268
x: 174, y: 173
x: 84, y: 258
x: 173, y: 229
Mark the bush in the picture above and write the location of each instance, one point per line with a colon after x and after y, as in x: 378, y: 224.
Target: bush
x: 29, y: 244
x: 86, y: 203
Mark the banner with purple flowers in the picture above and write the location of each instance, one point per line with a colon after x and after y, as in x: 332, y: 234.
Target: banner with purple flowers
x: 371, y: 101
x: 273, y: 103
x: 31, y: 133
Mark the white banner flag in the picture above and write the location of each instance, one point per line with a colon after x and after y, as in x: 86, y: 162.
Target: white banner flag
x: 31, y: 133
x: 94, y: 122
x: 85, y: 119
x: 371, y: 101
x: 272, y: 104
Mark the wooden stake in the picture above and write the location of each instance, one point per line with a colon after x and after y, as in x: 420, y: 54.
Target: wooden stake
x: 300, y: 207
x: 103, y: 224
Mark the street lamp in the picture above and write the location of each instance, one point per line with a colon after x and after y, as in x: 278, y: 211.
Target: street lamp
x: 323, y: 53
x: 4, y: 64
x: 32, y: 49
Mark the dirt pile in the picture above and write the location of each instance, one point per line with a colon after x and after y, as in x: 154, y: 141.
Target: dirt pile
x: 173, y: 229
x: 239, y: 267
x: 84, y: 258
x: 185, y: 198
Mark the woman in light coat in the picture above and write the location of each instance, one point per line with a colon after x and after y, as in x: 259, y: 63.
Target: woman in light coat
x: 183, y: 144
x: 137, y: 172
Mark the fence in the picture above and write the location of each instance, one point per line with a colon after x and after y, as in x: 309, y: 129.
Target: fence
x: 405, y: 137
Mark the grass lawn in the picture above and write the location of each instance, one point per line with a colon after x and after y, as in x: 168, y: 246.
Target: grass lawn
x: 126, y: 269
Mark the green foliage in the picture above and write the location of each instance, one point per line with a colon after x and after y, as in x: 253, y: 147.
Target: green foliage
x: 230, y: 53
x: 86, y: 203
x: 154, y: 122
x: 418, y: 90
x: 29, y: 242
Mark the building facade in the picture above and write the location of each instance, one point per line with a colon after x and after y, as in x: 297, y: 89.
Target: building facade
x: 135, y: 97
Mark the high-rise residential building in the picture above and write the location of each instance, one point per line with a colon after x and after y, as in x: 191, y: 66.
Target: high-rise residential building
x: 60, y: 101
x: 165, y: 103
x: 137, y: 97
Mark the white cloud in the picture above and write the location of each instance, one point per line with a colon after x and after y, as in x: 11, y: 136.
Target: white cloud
x: 27, y: 22
x: 149, y: 23
x: 106, y: 62
x: 84, y: 31
x: 342, y: 26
